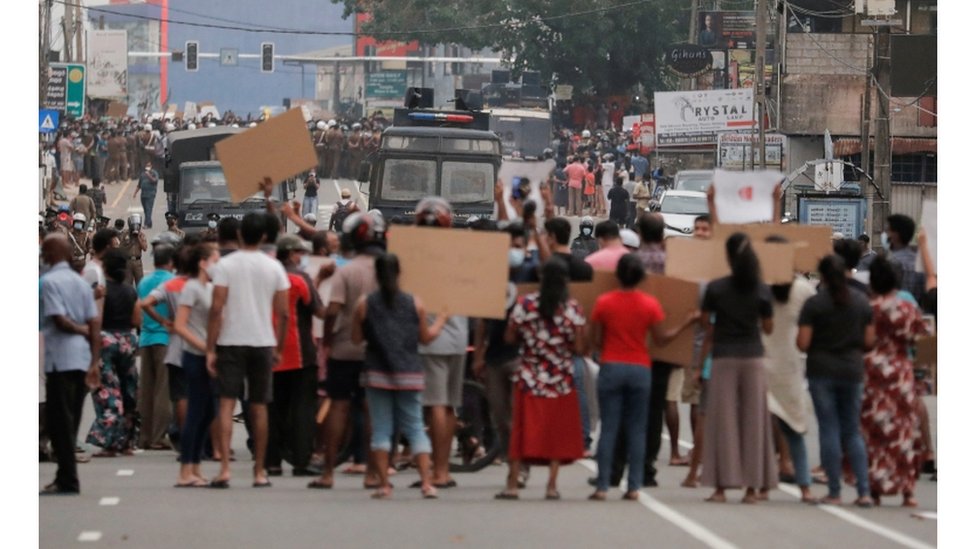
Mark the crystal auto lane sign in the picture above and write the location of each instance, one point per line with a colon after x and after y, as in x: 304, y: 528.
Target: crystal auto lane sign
x: 66, y: 88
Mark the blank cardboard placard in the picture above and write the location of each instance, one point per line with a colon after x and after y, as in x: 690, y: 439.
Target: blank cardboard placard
x: 459, y: 271
x: 585, y: 293
x: 704, y: 260
x: 931, y: 226
x: 811, y: 242
x: 276, y: 149
x: 117, y: 109
x: 678, y: 298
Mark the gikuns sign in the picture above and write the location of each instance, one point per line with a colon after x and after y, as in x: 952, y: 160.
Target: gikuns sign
x: 697, y: 117
x: 688, y: 59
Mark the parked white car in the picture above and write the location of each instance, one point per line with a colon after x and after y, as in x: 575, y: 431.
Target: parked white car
x: 693, y: 180
x: 679, y: 209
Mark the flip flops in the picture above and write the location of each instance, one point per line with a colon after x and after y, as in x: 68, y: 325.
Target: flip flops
x: 506, y: 496
x: 219, y: 484
x: 317, y: 484
x: 265, y: 484
x: 191, y: 485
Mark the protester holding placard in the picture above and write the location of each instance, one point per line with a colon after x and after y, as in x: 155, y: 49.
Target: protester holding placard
x: 738, y: 441
x: 393, y: 323
x: 548, y: 324
x: 619, y: 324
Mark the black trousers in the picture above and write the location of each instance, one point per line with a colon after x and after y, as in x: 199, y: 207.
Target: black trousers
x: 291, y: 418
x: 660, y: 373
x: 65, y: 396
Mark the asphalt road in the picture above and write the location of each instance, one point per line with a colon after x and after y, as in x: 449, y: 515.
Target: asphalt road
x: 130, y: 502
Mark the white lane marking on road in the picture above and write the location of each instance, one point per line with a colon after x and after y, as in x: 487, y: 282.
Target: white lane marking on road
x: 91, y: 535
x: 107, y: 501
x: 125, y: 187
x: 125, y: 473
x: 856, y: 520
x: 694, y: 529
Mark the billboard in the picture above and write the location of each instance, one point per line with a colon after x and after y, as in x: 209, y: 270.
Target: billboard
x: 734, y: 150
x: 730, y: 29
x: 108, y: 64
x: 386, y: 84
x: 367, y: 45
x: 697, y: 117
x: 66, y: 88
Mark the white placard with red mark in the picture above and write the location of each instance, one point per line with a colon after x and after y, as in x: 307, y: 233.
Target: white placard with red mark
x: 745, y: 197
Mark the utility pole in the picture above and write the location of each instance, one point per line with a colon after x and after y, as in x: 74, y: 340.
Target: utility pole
x: 881, y: 208
x: 866, y: 188
x: 336, y: 96
x: 66, y: 26
x: 45, y: 49
x: 79, y: 34
x: 689, y: 83
x: 762, y: 12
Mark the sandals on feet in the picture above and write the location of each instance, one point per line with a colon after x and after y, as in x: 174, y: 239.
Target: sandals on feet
x: 383, y: 492
x: 553, y: 495
x: 716, y: 498
x: 429, y: 493
x: 631, y: 496
x: 506, y: 495
x: 598, y: 496
x: 317, y: 484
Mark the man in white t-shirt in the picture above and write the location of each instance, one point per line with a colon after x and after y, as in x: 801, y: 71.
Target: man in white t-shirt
x: 93, y: 274
x: 242, y: 342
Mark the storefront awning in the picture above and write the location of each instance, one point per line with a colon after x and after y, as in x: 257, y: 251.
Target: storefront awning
x: 846, y: 146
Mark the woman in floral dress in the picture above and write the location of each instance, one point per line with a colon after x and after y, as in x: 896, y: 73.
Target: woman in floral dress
x: 545, y: 411
x: 888, y: 414
x: 116, y: 420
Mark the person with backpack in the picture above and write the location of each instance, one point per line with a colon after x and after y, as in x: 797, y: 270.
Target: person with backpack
x: 343, y: 208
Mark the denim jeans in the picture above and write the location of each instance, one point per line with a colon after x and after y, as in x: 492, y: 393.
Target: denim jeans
x: 624, y: 391
x: 579, y: 370
x: 310, y: 204
x: 400, y: 409
x: 199, y: 408
x: 798, y: 453
x: 838, y: 406
x: 147, y: 207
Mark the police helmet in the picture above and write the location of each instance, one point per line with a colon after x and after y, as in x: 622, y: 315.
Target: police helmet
x: 364, y: 229
x: 586, y: 221
x: 79, y: 217
x: 357, y: 126
x: 586, y: 134
x: 320, y: 124
x: 434, y: 211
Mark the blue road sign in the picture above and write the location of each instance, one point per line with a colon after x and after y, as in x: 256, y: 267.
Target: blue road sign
x: 48, y: 121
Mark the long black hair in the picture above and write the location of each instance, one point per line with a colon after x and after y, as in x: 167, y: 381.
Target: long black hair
x: 554, y: 289
x: 388, y: 277
x: 743, y: 262
x: 833, y: 276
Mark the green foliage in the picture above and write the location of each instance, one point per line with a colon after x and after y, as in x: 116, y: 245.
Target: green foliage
x: 605, y: 51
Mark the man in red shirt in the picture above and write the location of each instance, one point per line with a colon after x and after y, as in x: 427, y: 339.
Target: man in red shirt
x: 290, y: 415
x: 575, y: 174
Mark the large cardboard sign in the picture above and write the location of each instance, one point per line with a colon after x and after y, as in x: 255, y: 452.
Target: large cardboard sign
x: 678, y: 298
x: 276, y: 149
x: 459, y: 271
x: 931, y: 226
x: 117, y: 109
x: 704, y: 260
x: 811, y: 242
x: 745, y: 197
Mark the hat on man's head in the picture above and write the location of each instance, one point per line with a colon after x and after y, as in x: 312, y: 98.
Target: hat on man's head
x: 171, y: 215
x: 346, y: 193
x: 291, y: 243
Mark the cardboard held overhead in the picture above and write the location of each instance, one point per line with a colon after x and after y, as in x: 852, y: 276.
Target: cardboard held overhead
x: 678, y: 298
x: 704, y: 260
x: 745, y: 197
x: 117, y: 109
x: 277, y: 149
x: 931, y: 225
x: 811, y: 242
x: 454, y: 270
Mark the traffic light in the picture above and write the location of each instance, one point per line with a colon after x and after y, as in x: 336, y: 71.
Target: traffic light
x: 190, y: 57
x: 267, y: 56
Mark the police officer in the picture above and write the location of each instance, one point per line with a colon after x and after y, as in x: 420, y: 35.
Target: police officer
x: 101, y: 222
x: 584, y: 244
x: 171, y: 225
x: 334, y: 141
x: 318, y: 140
x: 79, y: 237
x: 134, y: 242
x: 210, y: 234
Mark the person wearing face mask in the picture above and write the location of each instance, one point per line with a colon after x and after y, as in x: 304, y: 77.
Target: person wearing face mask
x: 148, y: 180
x: 134, y: 241
x: 191, y: 325
x: 78, y: 236
x: 584, y: 244
x: 210, y: 233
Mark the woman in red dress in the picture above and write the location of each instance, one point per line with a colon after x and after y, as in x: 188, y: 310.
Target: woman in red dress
x: 888, y: 414
x: 545, y: 410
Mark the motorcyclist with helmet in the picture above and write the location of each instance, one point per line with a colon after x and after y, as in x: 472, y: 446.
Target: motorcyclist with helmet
x: 584, y: 244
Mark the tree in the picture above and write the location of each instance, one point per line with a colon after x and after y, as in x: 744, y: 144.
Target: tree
x: 606, y: 47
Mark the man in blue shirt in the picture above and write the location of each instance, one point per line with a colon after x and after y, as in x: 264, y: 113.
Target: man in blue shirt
x: 154, y: 404
x: 640, y: 165
x: 72, y: 347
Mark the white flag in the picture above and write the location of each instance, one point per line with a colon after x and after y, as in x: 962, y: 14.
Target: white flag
x: 745, y: 197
